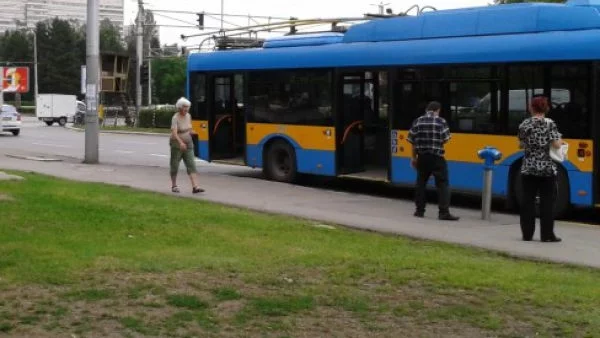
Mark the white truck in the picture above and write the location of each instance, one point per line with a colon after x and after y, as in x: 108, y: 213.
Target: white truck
x: 57, y: 108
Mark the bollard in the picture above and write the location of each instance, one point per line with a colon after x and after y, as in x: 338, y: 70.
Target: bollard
x: 489, y: 155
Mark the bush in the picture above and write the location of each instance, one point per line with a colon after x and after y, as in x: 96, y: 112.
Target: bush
x: 27, y: 110
x: 156, y: 118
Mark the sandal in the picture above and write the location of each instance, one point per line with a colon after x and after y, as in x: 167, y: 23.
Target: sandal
x: 175, y: 188
x: 197, y: 190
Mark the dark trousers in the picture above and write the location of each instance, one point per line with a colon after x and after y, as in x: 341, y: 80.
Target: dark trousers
x: 546, y: 187
x: 427, y: 165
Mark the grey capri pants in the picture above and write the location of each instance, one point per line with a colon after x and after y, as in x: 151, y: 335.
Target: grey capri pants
x: 187, y: 156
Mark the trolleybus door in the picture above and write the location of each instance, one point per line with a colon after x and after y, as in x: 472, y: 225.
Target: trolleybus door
x: 226, y: 118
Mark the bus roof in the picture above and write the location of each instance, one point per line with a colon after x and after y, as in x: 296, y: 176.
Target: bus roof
x: 504, y: 33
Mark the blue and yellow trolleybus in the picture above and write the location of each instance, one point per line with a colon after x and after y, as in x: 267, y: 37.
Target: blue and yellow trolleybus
x: 340, y: 104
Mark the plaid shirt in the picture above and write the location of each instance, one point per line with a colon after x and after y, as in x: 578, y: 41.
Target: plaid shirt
x: 428, y: 134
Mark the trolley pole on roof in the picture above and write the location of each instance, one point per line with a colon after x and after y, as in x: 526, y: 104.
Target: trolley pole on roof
x: 92, y: 73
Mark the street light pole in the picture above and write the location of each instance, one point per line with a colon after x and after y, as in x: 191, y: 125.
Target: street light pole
x: 91, y: 91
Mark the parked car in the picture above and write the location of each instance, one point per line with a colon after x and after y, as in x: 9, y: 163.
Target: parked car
x: 10, y: 119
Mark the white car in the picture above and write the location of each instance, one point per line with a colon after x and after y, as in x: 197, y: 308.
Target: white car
x: 10, y: 119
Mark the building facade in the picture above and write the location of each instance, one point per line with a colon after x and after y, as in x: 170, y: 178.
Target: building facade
x: 21, y: 13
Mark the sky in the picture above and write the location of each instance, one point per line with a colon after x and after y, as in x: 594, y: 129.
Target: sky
x: 303, y: 9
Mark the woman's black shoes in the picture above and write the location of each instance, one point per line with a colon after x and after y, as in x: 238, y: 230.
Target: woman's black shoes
x: 545, y: 240
x: 552, y: 240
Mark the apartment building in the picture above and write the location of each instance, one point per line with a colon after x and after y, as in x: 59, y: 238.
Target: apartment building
x: 28, y: 12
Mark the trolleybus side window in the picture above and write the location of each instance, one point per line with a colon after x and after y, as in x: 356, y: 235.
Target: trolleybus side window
x: 198, y: 93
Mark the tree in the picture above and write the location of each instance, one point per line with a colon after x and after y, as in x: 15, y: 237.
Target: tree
x: 16, y: 48
x: 110, y: 38
x: 169, y: 76
x: 150, y: 41
x: 61, y: 53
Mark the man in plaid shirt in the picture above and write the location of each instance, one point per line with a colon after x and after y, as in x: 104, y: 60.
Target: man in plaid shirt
x: 428, y: 135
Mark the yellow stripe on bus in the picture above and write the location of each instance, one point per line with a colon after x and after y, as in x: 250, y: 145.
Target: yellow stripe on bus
x: 201, y: 128
x: 464, y: 147
x: 308, y: 137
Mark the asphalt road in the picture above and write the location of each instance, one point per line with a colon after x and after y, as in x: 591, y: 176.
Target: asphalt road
x: 144, y: 150
x: 153, y: 151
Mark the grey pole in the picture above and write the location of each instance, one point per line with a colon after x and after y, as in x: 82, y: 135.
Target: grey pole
x: 138, y: 75
x: 149, y: 81
x: 35, y: 67
x: 486, y: 200
x: 93, y: 71
x: 222, y: 5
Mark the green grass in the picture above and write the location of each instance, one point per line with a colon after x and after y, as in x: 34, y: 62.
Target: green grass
x: 224, y: 294
x: 187, y: 301
x: 206, y: 269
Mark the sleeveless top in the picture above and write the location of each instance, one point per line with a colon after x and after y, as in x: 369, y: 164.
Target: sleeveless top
x: 184, y: 127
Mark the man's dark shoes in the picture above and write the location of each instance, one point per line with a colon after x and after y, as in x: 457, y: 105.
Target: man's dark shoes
x: 448, y: 217
x: 419, y: 214
x: 552, y: 240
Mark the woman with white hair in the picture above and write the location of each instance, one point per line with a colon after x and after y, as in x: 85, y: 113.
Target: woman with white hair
x: 182, y: 146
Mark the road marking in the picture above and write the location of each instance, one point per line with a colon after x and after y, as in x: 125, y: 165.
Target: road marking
x: 159, y: 155
x: 124, y: 151
x: 51, y: 145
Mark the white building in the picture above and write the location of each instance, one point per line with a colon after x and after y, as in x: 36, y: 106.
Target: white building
x: 29, y: 12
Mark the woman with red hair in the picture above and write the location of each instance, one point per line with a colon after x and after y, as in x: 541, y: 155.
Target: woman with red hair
x: 536, y: 135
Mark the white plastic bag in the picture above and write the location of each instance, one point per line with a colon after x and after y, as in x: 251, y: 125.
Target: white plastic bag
x: 558, y: 154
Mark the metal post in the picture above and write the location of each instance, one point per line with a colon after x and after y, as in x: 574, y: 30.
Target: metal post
x: 486, y: 200
x: 222, y: 5
x: 489, y: 155
x: 149, y: 82
x: 93, y: 71
x: 35, y: 67
x: 138, y: 75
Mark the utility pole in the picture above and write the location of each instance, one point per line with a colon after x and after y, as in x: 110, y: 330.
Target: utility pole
x: 35, y: 67
x: 91, y: 94
x: 139, y: 49
x: 222, y: 5
x: 149, y: 81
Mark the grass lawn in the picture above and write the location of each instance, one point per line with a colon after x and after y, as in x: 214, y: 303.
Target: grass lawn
x: 99, y: 260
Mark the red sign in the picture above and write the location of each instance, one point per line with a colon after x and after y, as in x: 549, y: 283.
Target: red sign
x: 15, y: 79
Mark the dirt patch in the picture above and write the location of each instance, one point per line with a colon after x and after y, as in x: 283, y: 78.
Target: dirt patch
x: 6, y: 198
x: 140, y: 304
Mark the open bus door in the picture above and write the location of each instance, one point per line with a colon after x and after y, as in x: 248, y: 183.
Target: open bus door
x: 362, y: 131
x: 596, y: 134
x: 226, y: 120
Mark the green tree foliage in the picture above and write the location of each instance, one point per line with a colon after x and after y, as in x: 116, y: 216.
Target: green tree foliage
x: 110, y: 38
x: 16, y: 48
x: 61, y: 52
x: 169, y: 77
x: 60, y: 56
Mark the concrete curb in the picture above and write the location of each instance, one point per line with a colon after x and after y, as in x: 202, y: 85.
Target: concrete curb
x: 119, y: 132
x: 34, y: 158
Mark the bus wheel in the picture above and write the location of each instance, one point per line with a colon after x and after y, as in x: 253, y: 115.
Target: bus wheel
x: 563, y: 199
x: 62, y: 121
x: 280, y: 162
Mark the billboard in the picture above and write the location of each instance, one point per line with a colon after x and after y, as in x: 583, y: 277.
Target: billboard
x: 14, y: 79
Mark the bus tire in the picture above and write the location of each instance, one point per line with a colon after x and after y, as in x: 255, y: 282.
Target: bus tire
x: 62, y: 121
x: 563, y: 198
x: 280, y: 162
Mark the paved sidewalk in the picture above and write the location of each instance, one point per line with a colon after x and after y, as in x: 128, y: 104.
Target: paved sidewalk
x: 581, y: 245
